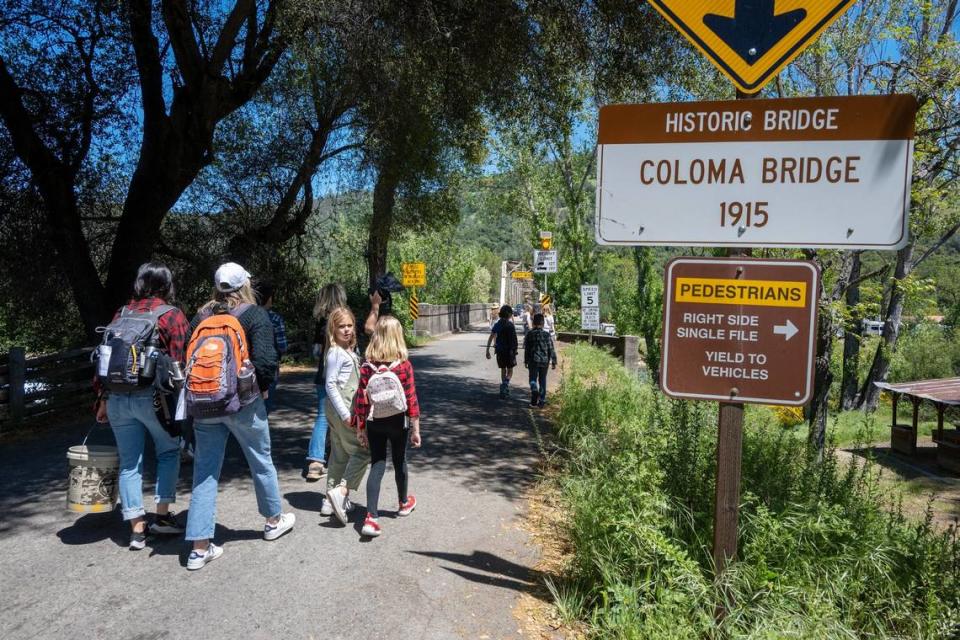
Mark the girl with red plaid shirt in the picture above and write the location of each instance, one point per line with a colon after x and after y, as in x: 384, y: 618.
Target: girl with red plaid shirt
x: 387, y: 348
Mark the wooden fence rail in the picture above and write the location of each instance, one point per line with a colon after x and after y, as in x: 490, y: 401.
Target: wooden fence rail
x: 43, y: 387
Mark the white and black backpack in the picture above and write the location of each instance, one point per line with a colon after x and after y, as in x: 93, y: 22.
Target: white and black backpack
x: 385, y: 391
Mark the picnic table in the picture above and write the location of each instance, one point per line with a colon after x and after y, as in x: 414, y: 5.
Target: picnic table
x: 943, y: 394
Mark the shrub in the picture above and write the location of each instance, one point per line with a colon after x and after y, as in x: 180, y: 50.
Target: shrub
x: 823, y: 554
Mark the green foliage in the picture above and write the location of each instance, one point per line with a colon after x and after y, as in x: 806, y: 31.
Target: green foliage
x: 823, y: 553
x: 926, y: 351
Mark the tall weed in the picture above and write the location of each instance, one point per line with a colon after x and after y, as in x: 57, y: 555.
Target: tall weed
x: 824, y: 552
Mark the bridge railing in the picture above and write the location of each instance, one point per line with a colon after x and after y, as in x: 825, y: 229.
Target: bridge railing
x: 44, y: 387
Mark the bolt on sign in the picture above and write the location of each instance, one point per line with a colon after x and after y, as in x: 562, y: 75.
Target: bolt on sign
x: 799, y: 172
x: 750, y: 41
x: 740, y: 330
x: 522, y: 275
x: 414, y: 274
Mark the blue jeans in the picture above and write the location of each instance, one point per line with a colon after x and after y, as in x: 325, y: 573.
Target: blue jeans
x: 318, y: 439
x: 538, y: 373
x: 131, y: 417
x: 249, y: 426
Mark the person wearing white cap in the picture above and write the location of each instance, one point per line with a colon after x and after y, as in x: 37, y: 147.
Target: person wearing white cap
x: 234, y: 293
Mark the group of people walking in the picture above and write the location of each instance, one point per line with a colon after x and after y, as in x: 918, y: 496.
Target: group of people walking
x: 222, y: 367
x: 538, y: 349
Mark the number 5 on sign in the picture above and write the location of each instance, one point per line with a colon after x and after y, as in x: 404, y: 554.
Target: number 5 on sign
x: 589, y: 295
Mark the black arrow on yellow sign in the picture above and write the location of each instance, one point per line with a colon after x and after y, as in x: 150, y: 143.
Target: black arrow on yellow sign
x: 748, y: 40
x: 754, y: 28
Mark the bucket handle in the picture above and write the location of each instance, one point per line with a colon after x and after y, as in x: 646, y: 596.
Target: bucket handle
x: 84, y: 443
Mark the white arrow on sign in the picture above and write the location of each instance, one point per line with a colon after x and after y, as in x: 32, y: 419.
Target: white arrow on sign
x: 788, y: 330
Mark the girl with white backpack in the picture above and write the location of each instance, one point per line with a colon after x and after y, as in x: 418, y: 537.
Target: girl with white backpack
x: 386, y: 399
x: 348, y: 459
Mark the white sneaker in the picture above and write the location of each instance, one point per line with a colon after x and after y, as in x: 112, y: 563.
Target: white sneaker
x: 274, y: 531
x: 198, y: 560
x: 326, y: 507
x: 337, y: 497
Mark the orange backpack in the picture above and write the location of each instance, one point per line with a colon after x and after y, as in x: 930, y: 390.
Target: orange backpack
x: 220, y: 378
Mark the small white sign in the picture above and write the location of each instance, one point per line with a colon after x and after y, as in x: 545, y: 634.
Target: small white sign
x: 590, y: 318
x: 544, y: 261
x: 589, y: 295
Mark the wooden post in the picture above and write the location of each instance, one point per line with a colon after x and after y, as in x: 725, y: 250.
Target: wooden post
x: 916, y: 424
x: 18, y: 380
x: 727, y: 507
x: 940, y: 409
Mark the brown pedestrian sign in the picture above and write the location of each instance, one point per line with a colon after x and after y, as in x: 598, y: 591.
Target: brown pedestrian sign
x: 750, y: 41
x: 740, y: 330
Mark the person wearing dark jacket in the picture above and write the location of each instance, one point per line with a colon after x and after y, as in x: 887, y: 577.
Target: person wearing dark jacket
x: 233, y: 293
x: 538, y: 352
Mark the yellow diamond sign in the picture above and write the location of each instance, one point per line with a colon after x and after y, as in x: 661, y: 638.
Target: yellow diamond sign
x: 750, y: 41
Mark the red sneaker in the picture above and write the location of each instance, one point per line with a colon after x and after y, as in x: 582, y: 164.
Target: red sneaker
x: 370, y: 527
x: 407, y: 507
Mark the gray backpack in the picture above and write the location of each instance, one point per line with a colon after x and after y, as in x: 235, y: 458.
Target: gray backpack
x: 123, y: 358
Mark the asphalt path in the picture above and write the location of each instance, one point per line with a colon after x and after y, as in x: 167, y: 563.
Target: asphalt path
x: 453, y: 569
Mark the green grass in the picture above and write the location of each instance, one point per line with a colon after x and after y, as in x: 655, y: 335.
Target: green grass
x: 825, y: 551
x: 848, y: 428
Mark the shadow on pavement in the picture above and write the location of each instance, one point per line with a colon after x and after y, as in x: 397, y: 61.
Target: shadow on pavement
x: 495, y: 570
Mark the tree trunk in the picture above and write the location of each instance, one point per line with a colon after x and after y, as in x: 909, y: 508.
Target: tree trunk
x: 869, y: 393
x: 822, y: 377
x: 381, y: 223
x: 172, y: 154
x: 648, y: 309
x: 852, y: 337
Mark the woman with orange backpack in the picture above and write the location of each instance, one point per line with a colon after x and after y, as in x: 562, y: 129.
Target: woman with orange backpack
x: 231, y: 361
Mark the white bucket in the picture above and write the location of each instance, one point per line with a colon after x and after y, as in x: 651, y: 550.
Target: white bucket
x: 93, y: 478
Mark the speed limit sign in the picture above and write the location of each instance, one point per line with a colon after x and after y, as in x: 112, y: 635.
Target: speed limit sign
x: 589, y: 295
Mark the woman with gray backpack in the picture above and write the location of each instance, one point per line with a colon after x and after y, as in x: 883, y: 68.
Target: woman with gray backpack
x: 231, y: 361
x: 145, y: 337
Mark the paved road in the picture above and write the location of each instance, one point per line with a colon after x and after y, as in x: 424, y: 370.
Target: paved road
x: 454, y: 569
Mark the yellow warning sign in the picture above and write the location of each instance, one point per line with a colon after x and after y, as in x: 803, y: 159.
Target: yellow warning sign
x: 414, y: 274
x: 522, y: 275
x: 750, y: 41
x: 760, y: 293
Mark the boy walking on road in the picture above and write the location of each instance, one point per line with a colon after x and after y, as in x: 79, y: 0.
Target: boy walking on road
x: 538, y: 352
x: 505, y: 347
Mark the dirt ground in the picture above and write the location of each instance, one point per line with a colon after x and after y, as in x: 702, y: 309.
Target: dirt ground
x: 923, y: 482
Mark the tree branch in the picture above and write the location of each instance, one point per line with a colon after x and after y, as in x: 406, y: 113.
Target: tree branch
x: 242, y: 11
x: 936, y: 245
x: 176, y: 17
x: 146, y: 50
